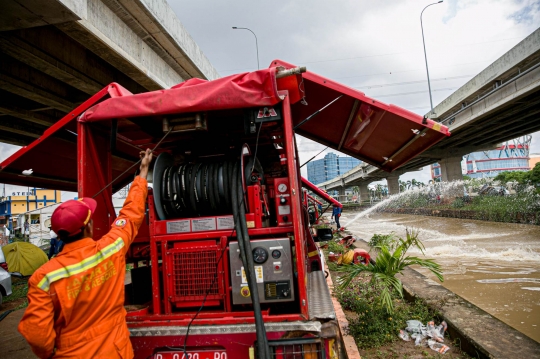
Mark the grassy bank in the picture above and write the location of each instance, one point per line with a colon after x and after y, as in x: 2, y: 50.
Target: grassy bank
x: 373, y: 327
x: 17, y: 299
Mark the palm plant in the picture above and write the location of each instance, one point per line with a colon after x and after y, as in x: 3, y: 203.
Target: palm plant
x: 387, y: 265
x: 402, y: 185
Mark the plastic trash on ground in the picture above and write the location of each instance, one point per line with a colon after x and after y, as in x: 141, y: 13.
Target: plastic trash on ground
x: 404, y: 335
x: 418, y: 331
x: 418, y: 339
x: 415, y: 326
x: 441, y: 328
x: 438, y: 347
x: 434, y: 332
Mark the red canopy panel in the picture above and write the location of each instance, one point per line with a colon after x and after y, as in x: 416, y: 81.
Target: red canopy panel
x: 245, y: 90
x: 380, y: 134
x: 383, y: 135
x: 53, y: 156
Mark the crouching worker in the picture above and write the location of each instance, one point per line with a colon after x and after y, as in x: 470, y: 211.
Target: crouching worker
x: 76, y: 300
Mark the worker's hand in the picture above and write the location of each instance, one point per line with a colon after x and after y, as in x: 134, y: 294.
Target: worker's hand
x: 145, y: 163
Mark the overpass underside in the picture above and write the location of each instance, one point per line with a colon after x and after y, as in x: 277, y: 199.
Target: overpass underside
x: 55, y: 54
x: 45, y: 73
x: 509, y: 110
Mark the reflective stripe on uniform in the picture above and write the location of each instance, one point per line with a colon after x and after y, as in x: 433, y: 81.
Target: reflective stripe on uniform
x: 80, y: 267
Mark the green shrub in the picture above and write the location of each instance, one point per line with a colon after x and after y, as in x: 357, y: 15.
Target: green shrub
x: 458, y: 203
x: 335, y: 247
x: 379, y: 240
x: 390, y: 262
x: 373, y: 326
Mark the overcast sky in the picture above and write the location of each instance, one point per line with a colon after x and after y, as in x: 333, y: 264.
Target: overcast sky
x: 373, y: 46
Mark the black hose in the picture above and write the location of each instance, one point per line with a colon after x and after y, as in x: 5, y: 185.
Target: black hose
x: 244, y: 244
x: 5, y: 314
x: 237, y: 220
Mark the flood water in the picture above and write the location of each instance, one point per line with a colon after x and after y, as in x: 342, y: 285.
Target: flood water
x: 494, y: 265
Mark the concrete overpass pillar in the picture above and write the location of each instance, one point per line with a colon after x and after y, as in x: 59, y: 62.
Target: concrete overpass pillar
x: 341, y: 196
x: 393, y: 184
x: 364, y: 192
x: 451, y: 169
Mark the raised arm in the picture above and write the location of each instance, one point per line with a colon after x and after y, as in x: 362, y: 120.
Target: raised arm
x: 131, y: 215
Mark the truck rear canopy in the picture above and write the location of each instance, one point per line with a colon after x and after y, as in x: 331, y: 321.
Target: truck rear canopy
x: 384, y: 135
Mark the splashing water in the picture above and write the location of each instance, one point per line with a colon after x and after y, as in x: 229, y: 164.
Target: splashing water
x: 519, y: 253
x: 456, y: 194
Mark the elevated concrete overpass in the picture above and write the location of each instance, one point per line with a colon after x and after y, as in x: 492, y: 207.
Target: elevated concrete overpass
x: 54, y: 54
x: 500, y: 103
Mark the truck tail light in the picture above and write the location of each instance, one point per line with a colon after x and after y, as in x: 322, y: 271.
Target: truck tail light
x: 301, y: 348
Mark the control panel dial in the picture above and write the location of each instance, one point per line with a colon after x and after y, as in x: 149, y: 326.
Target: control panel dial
x: 260, y: 255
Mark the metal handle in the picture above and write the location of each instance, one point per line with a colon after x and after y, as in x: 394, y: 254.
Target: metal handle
x: 289, y: 72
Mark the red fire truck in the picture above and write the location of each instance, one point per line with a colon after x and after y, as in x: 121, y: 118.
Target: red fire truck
x: 225, y: 265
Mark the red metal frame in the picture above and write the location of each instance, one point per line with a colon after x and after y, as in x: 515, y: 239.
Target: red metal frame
x: 163, y: 312
x: 313, y: 199
x: 320, y: 192
x: 94, y: 154
x: 381, y: 134
x: 296, y: 204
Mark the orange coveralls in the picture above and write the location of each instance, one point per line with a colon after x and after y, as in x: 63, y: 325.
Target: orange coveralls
x: 76, y: 300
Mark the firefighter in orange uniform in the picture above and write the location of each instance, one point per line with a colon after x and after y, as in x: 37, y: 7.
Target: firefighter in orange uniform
x: 76, y: 300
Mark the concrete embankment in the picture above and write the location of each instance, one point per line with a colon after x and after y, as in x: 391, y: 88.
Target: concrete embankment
x: 480, y: 334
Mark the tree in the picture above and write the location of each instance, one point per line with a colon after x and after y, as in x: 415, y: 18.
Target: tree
x: 534, y: 175
x: 521, y: 177
x: 388, y: 264
x: 416, y: 183
x: 402, y: 186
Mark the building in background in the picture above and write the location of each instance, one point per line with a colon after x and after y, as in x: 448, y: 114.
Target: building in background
x: 510, y: 156
x: 15, y: 203
x: 436, y: 172
x: 534, y: 158
x: 329, y: 167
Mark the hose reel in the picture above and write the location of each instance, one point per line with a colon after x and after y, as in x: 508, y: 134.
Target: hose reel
x: 198, y: 189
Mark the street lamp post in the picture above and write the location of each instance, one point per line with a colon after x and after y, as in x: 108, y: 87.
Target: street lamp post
x: 256, y: 43
x: 425, y: 55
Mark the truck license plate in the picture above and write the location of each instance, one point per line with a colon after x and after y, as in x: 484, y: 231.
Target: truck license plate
x: 192, y: 354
